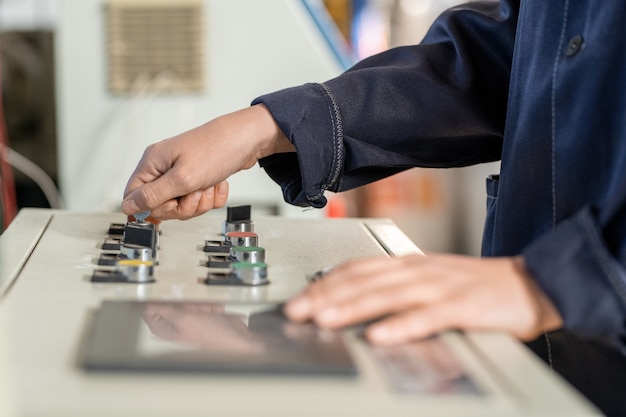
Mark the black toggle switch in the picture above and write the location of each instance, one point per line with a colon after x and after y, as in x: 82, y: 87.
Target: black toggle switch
x: 141, y: 234
x: 238, y: 219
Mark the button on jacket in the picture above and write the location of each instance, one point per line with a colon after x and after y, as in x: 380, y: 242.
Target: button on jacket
x: 537, y: 84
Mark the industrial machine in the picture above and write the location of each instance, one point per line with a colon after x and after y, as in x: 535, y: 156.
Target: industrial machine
x: 108, y: 317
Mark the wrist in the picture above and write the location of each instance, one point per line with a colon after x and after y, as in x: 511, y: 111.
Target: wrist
x: 547, y: 317
x: 272, y: 140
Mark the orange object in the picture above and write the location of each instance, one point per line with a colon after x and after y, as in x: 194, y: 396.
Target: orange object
x: 150, y: 219
x: 9, y: 199
x: 336, y: 207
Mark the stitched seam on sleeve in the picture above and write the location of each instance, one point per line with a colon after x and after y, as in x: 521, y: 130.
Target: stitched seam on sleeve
x: 338, y: 148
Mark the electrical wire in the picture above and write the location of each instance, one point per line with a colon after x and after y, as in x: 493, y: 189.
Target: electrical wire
x: 38, y: 175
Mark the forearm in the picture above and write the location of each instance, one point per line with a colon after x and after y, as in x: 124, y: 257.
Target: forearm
x: 184, y: 176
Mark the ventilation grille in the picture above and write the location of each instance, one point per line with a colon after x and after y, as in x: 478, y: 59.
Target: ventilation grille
x: 155, y: 44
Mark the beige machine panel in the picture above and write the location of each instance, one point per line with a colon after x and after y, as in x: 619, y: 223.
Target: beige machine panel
x: 48, y: 305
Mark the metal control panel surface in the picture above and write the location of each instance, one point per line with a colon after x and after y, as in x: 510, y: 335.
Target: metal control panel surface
x: 48, y: 302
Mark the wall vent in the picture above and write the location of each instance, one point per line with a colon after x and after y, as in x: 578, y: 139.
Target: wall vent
x: 156, y: 44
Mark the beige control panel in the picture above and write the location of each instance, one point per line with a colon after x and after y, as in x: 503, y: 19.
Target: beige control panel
x: 63, y: 274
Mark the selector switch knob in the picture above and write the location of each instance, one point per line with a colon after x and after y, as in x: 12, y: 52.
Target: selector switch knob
x: 251, y: 254
x: 241, y: 238
x: 238, y: 219
x: 135, y: 270
x: 250, y: 273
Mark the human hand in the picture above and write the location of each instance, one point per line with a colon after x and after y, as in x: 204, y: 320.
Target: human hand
x: 184, y: 176
x: 416, y: 296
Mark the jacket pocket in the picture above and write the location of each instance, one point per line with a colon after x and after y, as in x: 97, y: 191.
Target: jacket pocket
x: 492, y: 184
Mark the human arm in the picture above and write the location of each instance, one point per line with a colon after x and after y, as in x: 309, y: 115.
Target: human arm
x: 429, y: 95
x: 184, y: 176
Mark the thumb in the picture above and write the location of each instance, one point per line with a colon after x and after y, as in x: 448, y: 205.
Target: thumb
x: 150, y: 195
x: 129, y: 205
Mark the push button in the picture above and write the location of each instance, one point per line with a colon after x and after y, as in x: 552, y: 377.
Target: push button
x: 230, y: 239
x: 251, y: 273
x: 251, y: 254
x: 136, y: 270
x: 242, y: 238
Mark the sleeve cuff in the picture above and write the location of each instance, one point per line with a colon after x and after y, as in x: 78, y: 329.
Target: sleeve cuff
x: 309, y: 116
x: 586, y: 284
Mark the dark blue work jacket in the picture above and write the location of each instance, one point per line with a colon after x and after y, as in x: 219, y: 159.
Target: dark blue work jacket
x: 537, y: 84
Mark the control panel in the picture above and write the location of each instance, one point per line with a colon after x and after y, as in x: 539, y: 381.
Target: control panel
x: 130, y: 252
x: 108, y: 316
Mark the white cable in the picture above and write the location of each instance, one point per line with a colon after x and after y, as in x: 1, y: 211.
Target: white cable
x: 38, y: 175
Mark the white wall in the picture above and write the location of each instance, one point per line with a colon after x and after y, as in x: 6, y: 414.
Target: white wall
x: 253, y: 47
x: 27, y: 14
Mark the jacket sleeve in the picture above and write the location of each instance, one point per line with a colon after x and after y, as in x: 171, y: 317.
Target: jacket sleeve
x: 438, y: 104
x: 583, y: 278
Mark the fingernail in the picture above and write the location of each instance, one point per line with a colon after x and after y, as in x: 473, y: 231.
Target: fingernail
x: 327, y: 317
x: 378, y: 334
x: 299, y: 308
x: 222, y: 188
x: 129, y: 206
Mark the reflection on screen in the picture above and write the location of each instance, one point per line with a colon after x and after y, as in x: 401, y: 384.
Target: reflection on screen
x: 169, y: 328
x: 229, y: 332
x: 424, y: 367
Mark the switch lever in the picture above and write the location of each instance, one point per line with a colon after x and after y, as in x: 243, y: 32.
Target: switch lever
x: 238, y: 219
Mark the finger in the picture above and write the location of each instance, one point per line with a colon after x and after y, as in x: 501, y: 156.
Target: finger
x: 212, y: 197
x: 338, y: 285
x: 350, y: 281
x: 154, y: 162
x: 416, y: 324
x: 188, y: 204
x: 181, y: 208
x: 152, y: 194
x: 206, y: 202
x: 384, y: 301
x: 194, y: 204
x: 166, y: 211
x: 221, y: 194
